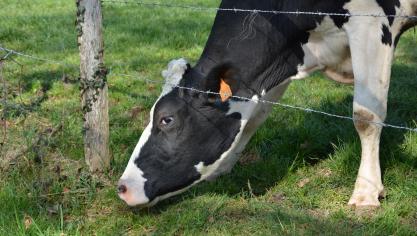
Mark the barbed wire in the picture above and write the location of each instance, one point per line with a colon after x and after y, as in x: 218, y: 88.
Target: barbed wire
x: 11, y: 52
x: 6, y: 56
x: 309, y: 110
x: 237, y: 10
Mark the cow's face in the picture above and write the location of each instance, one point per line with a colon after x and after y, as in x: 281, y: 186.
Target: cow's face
x: 191, y: 136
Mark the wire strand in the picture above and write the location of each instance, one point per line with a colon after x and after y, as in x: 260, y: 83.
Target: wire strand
x: 36, y: 58
x: 237, y: 10
x: 11, y: 52
x: 309, y: 110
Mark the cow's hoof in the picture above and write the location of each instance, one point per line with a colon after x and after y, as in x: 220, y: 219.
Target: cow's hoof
x: 364, y: 201
x: 367, y: 200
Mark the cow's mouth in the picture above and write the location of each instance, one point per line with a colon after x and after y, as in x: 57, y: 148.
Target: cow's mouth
x: 132, y: 192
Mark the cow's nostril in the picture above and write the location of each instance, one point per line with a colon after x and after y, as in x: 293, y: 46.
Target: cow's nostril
x: 121, y: 188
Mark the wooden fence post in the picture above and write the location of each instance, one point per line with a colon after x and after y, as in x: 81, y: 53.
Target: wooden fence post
x: 93, y: 85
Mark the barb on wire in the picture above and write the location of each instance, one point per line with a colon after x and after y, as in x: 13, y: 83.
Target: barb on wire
x: 6, y: 56
x: 309, y: 110
x: 11, y: 52
x: 236, y: 10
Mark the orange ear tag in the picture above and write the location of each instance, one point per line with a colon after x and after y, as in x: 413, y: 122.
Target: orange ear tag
x: 225, y: 91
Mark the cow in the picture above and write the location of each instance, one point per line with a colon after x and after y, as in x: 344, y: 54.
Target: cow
x: 194, y: 136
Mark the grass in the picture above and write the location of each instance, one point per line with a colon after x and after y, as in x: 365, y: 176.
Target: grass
x: 296, y: 176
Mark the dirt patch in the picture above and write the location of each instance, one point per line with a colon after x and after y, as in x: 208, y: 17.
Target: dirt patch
x: 278, y: 198
x: 37, y: 147
x: 135, y: 112
x: 325, y: 172
x: 303, y: 182
x: 365, y: 211
x: 319, y: 213
x: 249, y: 158
x: 362, y: 117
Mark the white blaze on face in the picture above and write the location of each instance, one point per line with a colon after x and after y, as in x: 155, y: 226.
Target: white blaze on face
x: 134, y: 181
x: 132, y: 177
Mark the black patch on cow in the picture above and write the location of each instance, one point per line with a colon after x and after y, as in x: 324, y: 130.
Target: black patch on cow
x: 389, y: 8
x: 339, y: 21
x: 386, y: 35
x: 274, y: 50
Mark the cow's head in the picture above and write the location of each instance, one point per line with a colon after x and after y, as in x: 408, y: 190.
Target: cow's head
x: 191, y: 136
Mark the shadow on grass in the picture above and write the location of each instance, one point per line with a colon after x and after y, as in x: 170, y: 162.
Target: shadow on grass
x: 255, y: 219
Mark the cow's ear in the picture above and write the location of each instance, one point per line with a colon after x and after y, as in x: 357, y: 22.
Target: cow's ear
x: 175, y: 71
x: 222, y: 80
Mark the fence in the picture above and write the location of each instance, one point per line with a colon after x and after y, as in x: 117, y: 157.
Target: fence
x: 304, y: 109
x: 237, y: 10
x: 10, y: 53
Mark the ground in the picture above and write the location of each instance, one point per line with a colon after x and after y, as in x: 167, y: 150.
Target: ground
x: 296, y: 175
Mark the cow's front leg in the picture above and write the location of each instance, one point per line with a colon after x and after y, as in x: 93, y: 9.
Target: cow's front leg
x: 368, y: 186
x: 372, y: 60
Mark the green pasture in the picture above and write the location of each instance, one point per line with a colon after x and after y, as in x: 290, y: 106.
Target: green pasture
x: 295, y: 177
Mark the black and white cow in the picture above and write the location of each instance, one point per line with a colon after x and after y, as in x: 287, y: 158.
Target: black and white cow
x: 193, y: 136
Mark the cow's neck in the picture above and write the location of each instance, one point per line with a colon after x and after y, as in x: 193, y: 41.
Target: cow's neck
x: 263, y: 58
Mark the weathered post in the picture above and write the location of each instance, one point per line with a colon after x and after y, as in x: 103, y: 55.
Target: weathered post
x: 93, y: 85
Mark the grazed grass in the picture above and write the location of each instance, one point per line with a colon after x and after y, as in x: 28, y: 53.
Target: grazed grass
x: 300, y: 167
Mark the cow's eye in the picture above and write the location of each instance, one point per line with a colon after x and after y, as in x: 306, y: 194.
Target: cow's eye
x: 165, y: 121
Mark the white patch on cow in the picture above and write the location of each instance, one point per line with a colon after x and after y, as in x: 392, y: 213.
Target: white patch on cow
x: 327, y: 47
x: 173, y: 74
x: 132, y: 177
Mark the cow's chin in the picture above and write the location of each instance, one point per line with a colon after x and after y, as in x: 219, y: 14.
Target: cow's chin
x: 133, y: 202
x: 132, y: 199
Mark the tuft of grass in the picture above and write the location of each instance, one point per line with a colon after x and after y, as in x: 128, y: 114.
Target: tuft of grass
x: 296, y: 176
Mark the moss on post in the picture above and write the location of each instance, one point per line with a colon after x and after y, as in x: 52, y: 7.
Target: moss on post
x: 93, y: 85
